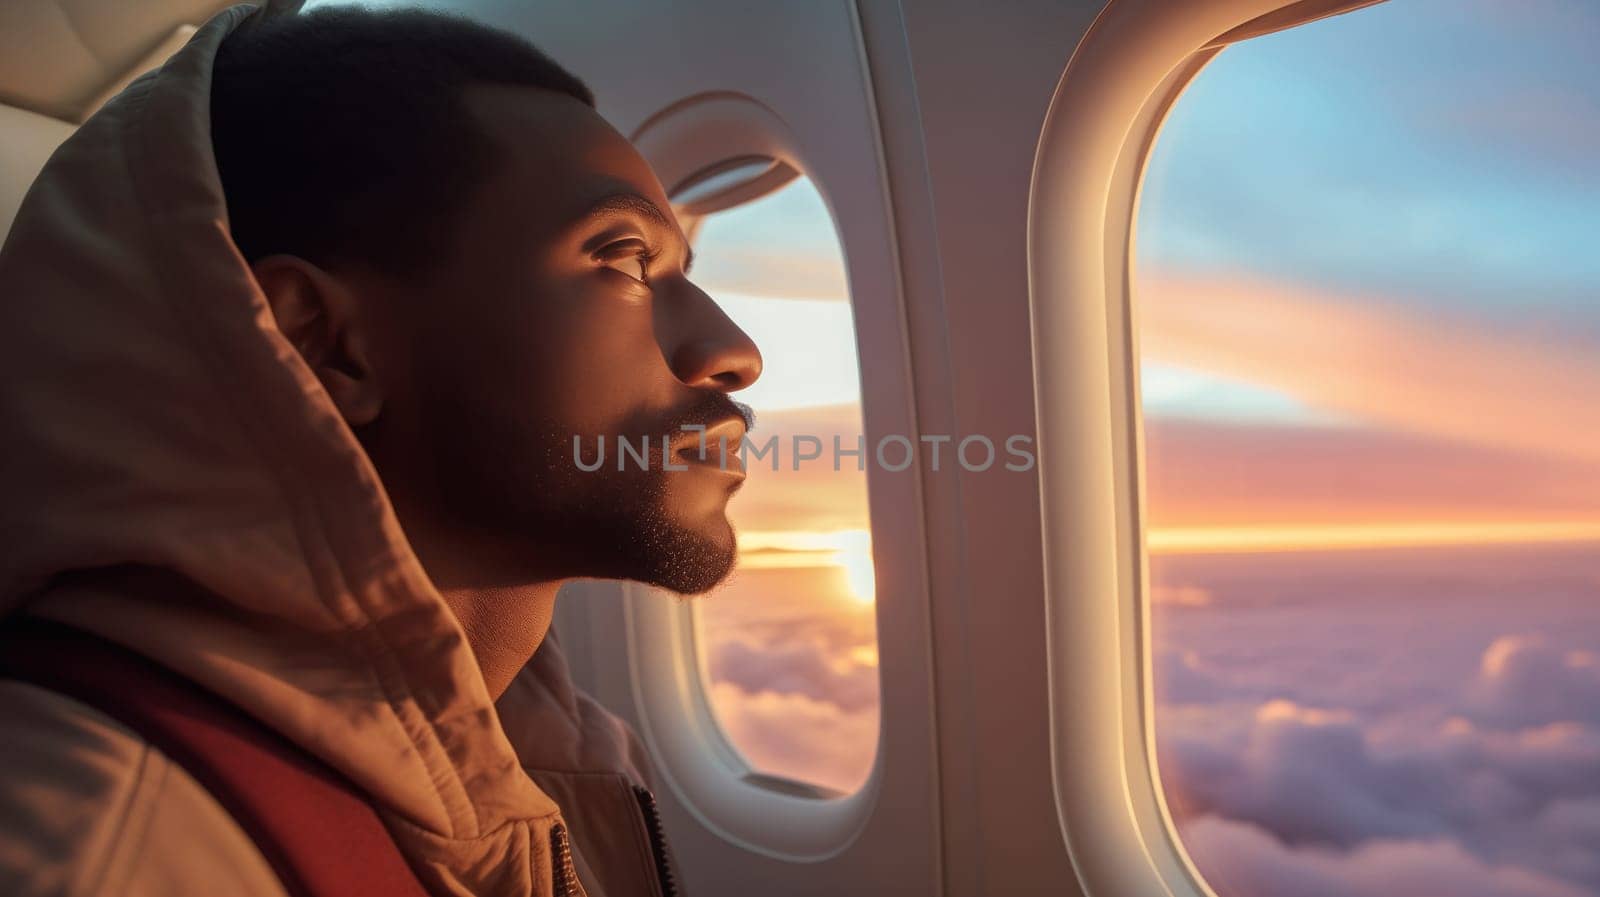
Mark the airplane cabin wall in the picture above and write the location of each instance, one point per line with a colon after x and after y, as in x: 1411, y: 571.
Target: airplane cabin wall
x: 984, y: 79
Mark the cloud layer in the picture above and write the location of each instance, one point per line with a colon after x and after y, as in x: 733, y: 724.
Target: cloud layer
x: 1312, y: 744
x: 793, y: 669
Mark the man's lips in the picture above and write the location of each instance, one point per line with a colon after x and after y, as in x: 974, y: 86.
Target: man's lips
x: 707, y: 448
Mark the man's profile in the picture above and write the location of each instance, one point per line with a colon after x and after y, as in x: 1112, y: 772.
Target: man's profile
x: 298, y: 335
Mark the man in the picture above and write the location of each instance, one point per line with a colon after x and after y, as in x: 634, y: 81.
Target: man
x: 298, y: 334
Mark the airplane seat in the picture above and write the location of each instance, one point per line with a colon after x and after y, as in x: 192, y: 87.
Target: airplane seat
x: 60, y: 60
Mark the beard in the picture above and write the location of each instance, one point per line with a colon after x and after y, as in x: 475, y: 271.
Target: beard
x: 521, y: 489
x: 619, y: 525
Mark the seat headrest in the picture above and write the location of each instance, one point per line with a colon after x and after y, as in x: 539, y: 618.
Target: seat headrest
x: 57, y: 57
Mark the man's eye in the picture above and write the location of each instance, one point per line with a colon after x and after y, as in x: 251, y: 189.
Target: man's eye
x: 631, y: 257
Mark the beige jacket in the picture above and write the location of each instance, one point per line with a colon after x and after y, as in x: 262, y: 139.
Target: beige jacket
x: 173, y: 478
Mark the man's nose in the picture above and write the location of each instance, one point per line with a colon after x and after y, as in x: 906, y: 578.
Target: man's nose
x: 705, y: 348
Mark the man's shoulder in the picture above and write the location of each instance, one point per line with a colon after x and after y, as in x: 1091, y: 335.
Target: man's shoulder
x: 88, y: 807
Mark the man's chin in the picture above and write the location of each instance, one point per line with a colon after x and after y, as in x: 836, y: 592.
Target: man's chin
x: 688, y: 560
x: 649, y: 530
x: 694, y: 568
x: 691, y: 583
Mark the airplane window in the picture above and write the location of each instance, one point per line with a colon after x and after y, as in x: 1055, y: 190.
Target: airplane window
x: 1368, y: 299
x: 789, y: 645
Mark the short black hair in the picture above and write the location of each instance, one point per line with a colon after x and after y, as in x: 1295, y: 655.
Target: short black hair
x: 342, y: 135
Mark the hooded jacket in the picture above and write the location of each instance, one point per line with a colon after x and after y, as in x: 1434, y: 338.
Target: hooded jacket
x: 175, y: 479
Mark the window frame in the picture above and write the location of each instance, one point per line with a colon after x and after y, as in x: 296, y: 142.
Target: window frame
x: 1103, y: 120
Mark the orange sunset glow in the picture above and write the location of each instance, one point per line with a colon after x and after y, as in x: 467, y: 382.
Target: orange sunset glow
x: 1291, y: 537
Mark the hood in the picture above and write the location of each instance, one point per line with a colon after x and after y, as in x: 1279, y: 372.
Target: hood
x: 176, y: 479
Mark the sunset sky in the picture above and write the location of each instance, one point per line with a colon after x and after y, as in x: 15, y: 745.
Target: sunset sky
x: 1368, y: 284
x: 1369, y: 305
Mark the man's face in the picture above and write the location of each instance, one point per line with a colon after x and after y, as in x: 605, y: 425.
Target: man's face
x: 564, y: 310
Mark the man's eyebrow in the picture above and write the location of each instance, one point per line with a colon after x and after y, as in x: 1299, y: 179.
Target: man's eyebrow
x: 628, y: 202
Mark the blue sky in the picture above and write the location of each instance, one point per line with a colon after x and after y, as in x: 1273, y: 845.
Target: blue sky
x: 1439, y: 159
x: 1432, y: 151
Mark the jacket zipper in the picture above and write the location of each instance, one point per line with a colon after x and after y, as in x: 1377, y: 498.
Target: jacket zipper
x: 658, y: 841
x: 564, y: 877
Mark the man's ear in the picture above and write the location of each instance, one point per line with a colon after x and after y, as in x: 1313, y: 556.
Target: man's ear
x: 320, y: 315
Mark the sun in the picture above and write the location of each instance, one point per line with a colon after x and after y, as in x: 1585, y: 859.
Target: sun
x: 854, y: 557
